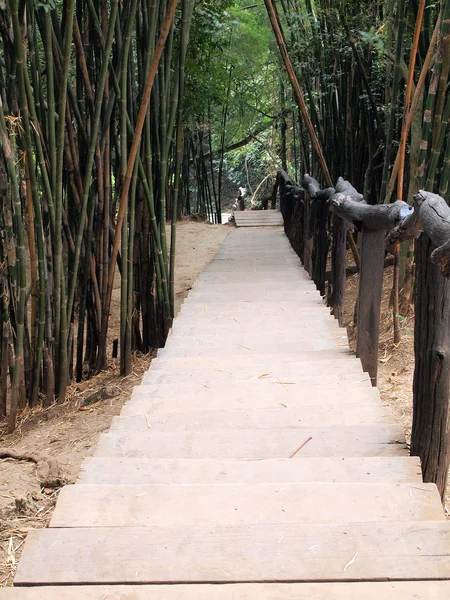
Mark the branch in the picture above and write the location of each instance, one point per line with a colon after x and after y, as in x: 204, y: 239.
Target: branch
x: 48, y: 470
x: 251, y: 136
x: 279, y: 35
x: 324, y: 195
x: 434, y: 215
x: 403, y: 66
x: 381, y: 217
x: 311, y: 185
x: 345, y: 187
x: 288, y: 188
x: 407, y: 230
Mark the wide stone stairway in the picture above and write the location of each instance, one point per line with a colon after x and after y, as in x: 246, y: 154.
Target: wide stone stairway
x: 255, y: 461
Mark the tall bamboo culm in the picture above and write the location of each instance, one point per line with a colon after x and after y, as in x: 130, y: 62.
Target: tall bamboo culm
x: 89, y: 104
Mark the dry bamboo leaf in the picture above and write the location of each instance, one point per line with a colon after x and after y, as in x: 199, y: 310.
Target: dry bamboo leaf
x: 350, y: 562
x: 385, y: 360
x: 11, y: 555
x: 260, y: 376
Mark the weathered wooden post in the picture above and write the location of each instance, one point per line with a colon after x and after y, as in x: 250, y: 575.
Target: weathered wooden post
x: 430, y: 436
x: 273, y: 202
x: 374, y: 221
x: 336, y: 294
x: 340, y: 228
x: 311, y: 187
x: 369, y: 299
x: 315, y: 230
x: 321, y: 242
x: 291, y: 205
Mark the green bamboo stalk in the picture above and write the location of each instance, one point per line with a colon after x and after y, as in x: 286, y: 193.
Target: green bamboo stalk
x: 187, y: 10
x: 58, y: 267
x: 127, y: 363
x: 127, y: 264
x: 36, y: 219
x: 134, y: 151
x: 20, y: 236
x: 91, y: 155
x: 431, y: 97
x: 444, y: 189
x: 438, y: 144
x: 442, y: 107
x: 395, y: 90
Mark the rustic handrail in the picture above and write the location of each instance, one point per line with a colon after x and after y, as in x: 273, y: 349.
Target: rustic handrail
x: 316, y: 220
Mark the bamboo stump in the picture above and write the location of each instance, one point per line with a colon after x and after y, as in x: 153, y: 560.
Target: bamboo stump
x: 369, y: 300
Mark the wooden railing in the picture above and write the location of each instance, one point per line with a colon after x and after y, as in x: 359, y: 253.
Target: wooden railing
x: 319, y: 224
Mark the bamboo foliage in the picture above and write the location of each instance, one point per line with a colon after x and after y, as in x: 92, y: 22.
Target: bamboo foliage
x: 89, y: 108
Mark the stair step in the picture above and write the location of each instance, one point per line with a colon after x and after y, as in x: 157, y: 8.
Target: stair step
x: 244, y: 395
x: 392, y: 590
x: 235, y: 504
x: 164, y: 419
x: 248, y: 366
x: 379, y: 469
x: 220, y: 377
x: 361, y: 440
x: 244, y: 553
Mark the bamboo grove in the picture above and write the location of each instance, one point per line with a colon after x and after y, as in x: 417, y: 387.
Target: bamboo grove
x: 374, y: 78
x: 118, y: 117
x: 91, y: 154
x: 353, y: 62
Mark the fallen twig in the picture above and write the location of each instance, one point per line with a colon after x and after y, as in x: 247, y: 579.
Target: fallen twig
x: 300, y: 447
x: 48, y: 470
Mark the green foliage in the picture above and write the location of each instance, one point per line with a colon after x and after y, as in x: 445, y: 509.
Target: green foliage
x: 47, y: 5
x: 233, y: 65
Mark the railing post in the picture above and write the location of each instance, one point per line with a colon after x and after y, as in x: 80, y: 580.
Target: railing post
x: 374, y: 221
x: 369, y: 300
x: 307, y: 237
x: 321, y: 244
x: 273, y: 201
x: 336, y: 296
x: 430, y: 437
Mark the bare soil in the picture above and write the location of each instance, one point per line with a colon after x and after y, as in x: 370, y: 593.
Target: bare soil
x: 69, y: 432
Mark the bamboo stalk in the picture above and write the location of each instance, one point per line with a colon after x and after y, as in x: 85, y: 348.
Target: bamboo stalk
x: 276, y: 26
x: 409, y: 85
x: 414, y: 105
x: 150, y: 77
x: 91, y: 155
x: 61, y: 344
x: 395, y: 90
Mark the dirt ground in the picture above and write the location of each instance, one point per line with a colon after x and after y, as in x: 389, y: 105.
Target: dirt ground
x: 69, y: 433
